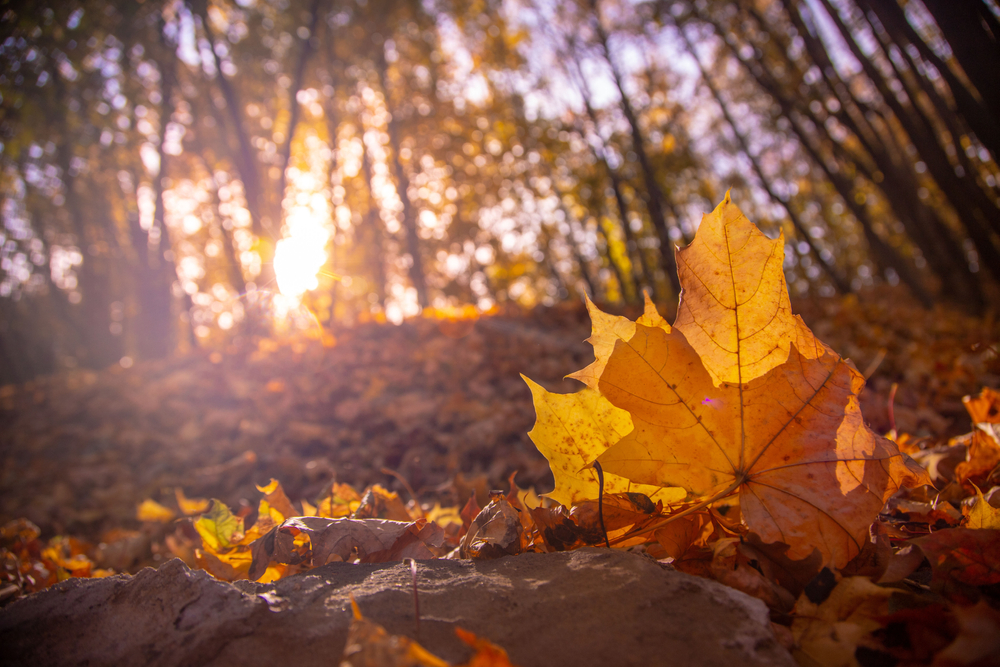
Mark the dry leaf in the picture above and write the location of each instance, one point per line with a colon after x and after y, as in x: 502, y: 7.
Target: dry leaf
x: 487, y: 653
x: 369, y: 645
x: 734, y: 309
x: 191, y: 506
x: 495, y: 532
x: 571, y: 431
x: 828, y: 634
x: 150, y: 510
x: 275, y: 497
x: 606, y: 331
x: 982, y: 514
x: 381, y: 503
x: 373, y: 540
x: 966, y: 555
x: 978, y: 640
x: 219, y: 528
x: 793, y: 442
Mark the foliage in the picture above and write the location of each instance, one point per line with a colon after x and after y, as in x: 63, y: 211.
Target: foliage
x: 159, y: 157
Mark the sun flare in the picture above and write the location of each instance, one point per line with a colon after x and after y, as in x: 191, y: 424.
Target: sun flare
x: 300, y: 255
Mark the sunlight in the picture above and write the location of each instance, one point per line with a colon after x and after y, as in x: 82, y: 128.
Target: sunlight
x: 299, y: 256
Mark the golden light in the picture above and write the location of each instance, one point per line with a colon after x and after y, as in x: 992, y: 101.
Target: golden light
x: 300, y: 255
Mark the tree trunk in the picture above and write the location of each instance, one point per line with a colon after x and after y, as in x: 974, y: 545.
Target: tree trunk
x: 403, y: 186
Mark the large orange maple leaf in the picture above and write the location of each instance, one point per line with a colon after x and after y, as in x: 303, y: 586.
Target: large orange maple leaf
x: 741, y: 397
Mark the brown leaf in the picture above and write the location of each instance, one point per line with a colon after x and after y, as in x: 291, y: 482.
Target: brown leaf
x: 495, y: 532
x: 966, y: 555
x: 828, y: 634
x: 373, y: 540
x: 276, y: 498
x: 678, y: 536
x: 978, y: 640
x: 381, y: 503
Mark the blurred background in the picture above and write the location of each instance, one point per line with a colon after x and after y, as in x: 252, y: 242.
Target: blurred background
x: 175, y: 174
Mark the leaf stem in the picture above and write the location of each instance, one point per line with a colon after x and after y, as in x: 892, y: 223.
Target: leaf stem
x: 691, y: 510
x: 600, y: 502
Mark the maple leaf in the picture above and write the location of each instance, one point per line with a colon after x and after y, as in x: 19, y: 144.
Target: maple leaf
x: 606, y: 331
x: 982, y: 514
x: 734, y: 310
x: 571, y: 431
x: 740, y: 397
x: 219, y: 528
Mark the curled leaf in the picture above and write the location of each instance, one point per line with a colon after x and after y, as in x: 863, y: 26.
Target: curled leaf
x: 495, y: 532
x: 372, y: 540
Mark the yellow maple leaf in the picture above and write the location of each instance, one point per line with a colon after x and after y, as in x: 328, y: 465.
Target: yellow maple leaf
x: 571, y: 431
x: 982, y: 514
x: 219, y: 528
x: 734, y: 310
x: 606, y: 330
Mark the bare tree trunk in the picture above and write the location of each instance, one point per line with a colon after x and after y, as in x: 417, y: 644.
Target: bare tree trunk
x: 654, y: 195
x: 800, y: 228
x: 403, y: 187
x: 294, y: 110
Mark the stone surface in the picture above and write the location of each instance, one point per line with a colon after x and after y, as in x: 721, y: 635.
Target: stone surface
x: 586, y: 607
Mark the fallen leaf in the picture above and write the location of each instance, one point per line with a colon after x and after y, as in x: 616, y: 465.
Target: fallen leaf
x: 487, y: 653
x: 978, y: 640
x: 982, y: 514
x: 606, y: 331
x: 793, y: 443
x: 190, y: 506
x: 677, y: 537
x: 828, y: 634
x: 571, y: 431
x: 373, y: 540
x: 275, y: 497
x: 219, y: 528
x: 150, y: 510
x: 370, y: 645
x: 985, y: 408
x: 341, y: 501
x: 982, y: 459
x: 734, y: 311
x: 495, y: 532
x: 380, y: 503
x: 967, y: 555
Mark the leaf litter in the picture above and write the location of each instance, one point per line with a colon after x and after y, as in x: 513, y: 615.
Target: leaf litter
x: 730, y: 445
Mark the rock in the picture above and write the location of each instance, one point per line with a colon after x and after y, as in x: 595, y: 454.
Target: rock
x: 586, y: 607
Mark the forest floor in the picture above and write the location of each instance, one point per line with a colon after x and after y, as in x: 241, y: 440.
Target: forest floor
x: 432, y: 408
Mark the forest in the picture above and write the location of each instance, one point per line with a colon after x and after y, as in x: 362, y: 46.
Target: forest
x: 176, y: 173
x: 299, y: 291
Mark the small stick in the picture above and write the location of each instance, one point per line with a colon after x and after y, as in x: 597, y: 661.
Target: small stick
x: 600, y: 502
x: 402, y: 480
x: 892, y: 411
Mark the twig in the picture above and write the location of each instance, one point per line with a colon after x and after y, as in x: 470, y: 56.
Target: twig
x: 600, y: 502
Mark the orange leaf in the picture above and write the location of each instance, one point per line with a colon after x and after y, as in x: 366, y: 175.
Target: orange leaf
x: 793, y: 442
x: 487, y: 653
x: 735, y: 311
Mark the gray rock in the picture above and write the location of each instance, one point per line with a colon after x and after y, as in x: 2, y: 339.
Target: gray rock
x: 586, y: 607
